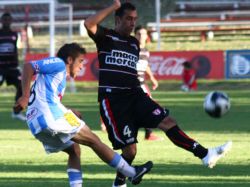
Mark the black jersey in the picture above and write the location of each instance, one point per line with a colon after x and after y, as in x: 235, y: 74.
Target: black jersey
x: 8, y: 49
x: 118, y: 56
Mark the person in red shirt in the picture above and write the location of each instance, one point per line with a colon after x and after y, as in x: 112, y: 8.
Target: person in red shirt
x: 188, y: 77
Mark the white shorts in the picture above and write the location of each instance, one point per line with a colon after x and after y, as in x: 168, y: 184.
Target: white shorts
x: 57, y: 136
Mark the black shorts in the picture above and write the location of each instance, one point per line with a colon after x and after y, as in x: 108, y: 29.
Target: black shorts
x: 11, y: 76
x: 124, y: 113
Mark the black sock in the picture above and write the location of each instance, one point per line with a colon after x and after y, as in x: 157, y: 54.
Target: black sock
x: 179, y: 138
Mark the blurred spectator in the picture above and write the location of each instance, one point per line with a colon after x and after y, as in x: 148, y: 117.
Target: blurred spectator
x: 9, y: 71
x: 143, y: 69
x: 188, y: 77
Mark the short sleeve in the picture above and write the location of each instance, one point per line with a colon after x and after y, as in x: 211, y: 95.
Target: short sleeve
x: 99, y: 35
x: 48, y: 65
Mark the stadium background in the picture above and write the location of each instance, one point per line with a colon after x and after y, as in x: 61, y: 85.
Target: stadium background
x: 23, y: 162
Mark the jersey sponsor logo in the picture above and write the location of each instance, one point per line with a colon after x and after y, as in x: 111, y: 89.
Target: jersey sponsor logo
x: 7, y: 48
x: 32, y: 113
x: 108, y: 90
x: 51, y: 61
x: 36, y: 67
x: 121, y: 58
x: 195, y: 145
x: 130, y: 140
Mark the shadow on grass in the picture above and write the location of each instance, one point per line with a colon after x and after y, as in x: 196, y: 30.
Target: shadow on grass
x: 161, y: 175
x: 178, y: 168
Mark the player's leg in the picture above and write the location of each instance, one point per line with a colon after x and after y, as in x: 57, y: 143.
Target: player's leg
x: 122, y: 136
x: 58, y: 136
x: 179, y: 138
x: 103, y: 127
x: 53, y: 143
x: 128, y: 153
x: 74, y: 165
x: 149, y: 135
x: 159, y: 117
x: 14, y: 78
x: 209, y: 157
x: 86, y: 137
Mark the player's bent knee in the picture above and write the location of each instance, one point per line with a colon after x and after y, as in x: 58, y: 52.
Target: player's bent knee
x: 167, y: 123
x: 77, y: 149
x: 86, y: 137
x: 74, y: 150
x: 129, y: 151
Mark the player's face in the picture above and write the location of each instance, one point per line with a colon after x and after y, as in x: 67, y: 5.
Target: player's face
x: 76, y: 66
x: 141, y: 35
x: 6, y: 21
x: 125, y: 24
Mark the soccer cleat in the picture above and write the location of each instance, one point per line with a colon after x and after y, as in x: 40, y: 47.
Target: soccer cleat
x: 214, y: 154
x: 123, y: 185
x: 120, y: 181
x: 140, y: 171
x: 19, y: 116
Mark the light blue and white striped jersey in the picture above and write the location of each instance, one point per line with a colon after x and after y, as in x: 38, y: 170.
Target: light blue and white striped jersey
x: 46, y: 93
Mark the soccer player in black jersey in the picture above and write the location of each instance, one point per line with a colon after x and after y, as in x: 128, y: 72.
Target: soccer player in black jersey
x: 124, y: 106
x: 9, y: 71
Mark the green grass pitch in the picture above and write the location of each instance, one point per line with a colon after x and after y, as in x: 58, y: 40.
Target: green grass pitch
x: 23, y: 162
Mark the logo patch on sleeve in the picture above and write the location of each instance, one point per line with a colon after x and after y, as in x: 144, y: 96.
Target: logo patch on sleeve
x: 157, y: 112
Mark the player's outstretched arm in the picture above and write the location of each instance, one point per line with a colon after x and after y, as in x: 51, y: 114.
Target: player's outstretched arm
x: 92, y: 21
x: 27, y: 75
x: 152, y: 78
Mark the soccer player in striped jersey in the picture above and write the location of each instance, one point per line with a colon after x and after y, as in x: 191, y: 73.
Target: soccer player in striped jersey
x: 59, y: 128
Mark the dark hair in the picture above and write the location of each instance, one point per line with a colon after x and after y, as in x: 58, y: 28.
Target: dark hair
x: 139, y: 27
x: 187, y: 64
x: 6, y: 14
x: 125, y: 6
x: 70, y: 50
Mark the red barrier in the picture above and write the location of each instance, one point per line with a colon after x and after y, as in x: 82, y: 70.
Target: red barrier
x: 35, y: 56
x: 168, y: 65
x: 90, y: 71
x: 164, y: 65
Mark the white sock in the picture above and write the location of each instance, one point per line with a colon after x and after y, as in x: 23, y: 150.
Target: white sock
x: 122, y: 166
x: 75, y: 177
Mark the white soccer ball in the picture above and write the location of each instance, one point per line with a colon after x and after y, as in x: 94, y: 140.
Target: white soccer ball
x: 216, y: 104
x: 184, y: 88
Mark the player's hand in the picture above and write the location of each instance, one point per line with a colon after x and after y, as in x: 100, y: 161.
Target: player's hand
x: 21, y: 104
x: 77, y: 113
x: 155, y: 84
x: 117, y: 4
